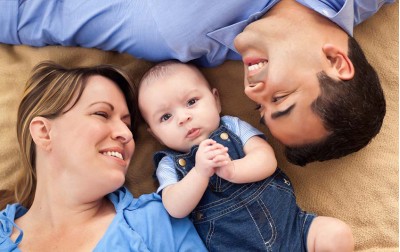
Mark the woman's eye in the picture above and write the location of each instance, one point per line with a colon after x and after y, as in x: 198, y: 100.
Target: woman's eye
x: 102, y: 114
x: 129, y: 126
x: 165, y: 117
x: 192, y: 101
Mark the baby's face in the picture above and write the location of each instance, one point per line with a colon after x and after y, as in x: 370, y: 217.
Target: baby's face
x: 180, y: 108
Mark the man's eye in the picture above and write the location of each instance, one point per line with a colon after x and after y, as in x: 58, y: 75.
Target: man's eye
x: 192, y: 101
x: 102, y: 114
x: 277, y: 98
x: 165, y: 117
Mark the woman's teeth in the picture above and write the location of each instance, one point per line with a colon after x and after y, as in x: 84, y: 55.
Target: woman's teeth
x: 113, y: 154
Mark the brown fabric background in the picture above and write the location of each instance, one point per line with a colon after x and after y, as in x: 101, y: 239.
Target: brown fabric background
x: 361, y: 189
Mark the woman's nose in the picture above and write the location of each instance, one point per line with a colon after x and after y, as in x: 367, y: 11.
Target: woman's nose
x: 122, y: 133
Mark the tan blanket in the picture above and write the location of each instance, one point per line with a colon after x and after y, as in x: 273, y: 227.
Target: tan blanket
x: 361, y: 189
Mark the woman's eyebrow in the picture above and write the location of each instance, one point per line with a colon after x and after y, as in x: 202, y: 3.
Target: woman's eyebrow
x: 128, y: 115
x: 107, y: 103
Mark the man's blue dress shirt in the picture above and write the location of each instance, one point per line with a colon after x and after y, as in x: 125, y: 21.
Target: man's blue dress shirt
x: 155, y: 30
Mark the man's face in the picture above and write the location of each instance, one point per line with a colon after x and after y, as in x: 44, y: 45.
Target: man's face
x: 281, y: 65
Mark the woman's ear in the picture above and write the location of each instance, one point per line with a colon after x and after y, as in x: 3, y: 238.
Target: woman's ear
x: 340, y: 64
x: 217, y: 100
x: 40, y: 132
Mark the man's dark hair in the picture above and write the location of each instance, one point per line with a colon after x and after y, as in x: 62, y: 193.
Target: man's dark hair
x: 352, y: 111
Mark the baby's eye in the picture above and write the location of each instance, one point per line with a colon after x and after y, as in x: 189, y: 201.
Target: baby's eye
x: 165, y: 117
x: 258, y: 107
x: 192, y: 101
x: 102, y: 114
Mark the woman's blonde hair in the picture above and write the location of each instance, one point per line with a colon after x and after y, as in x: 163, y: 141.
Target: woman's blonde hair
x: 47, y: 93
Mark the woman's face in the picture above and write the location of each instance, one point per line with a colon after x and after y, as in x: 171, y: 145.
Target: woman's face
x: 91, y: 144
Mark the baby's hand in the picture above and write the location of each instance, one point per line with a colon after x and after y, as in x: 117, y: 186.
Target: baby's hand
x: 209, y: 156
x: 227, y: 171
x: 223, y: 165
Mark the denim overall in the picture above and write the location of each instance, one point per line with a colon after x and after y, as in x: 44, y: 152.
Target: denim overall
x: 260, y: 216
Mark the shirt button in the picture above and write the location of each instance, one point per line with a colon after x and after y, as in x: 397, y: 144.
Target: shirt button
x: 224, y: 136
x: 182, y: 162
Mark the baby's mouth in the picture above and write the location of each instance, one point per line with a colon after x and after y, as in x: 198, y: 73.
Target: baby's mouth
x: 192, y: 133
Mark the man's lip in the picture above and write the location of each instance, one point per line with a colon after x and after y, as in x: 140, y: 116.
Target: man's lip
x: 254, y: 65
x: 192, y: 133
x: 253, y: 60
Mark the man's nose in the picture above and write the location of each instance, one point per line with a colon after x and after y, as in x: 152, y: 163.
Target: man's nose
x: 239, y: 43
x: 254, y: 91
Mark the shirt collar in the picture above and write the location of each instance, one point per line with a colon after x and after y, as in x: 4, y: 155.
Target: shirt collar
x: 340, y: 12
x: 226, y: 35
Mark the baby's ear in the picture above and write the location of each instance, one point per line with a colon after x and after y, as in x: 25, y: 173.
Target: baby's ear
x: 340, y: 64
x: 40, y: 131
x: 217, y: 100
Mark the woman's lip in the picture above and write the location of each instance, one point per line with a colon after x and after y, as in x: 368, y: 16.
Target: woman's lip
x: 115, y: 149
x: 119, y: 161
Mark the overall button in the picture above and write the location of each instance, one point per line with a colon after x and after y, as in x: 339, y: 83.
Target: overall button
x: 198, y: 216
x: 224, y: 136
x: 182, y: 162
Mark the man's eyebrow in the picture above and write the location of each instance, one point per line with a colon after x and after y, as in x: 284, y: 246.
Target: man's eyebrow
x: 283, y: 112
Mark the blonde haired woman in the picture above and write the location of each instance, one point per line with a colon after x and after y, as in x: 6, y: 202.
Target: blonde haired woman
x: 74, y: 130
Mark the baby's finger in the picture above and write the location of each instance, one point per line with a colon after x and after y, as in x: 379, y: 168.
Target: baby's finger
x: 218, y: 152
x: 207, y: 142
x: 221, y: 157
x: 212, y: 146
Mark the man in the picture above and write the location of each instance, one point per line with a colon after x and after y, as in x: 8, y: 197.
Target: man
x: 317, y: 93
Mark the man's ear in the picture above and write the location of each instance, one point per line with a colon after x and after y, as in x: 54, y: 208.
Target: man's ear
x: 341, y: 65
x: 40, y: 132
x: 217, y: 100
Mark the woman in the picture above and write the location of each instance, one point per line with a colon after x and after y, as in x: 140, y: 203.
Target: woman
x: 74, y: 130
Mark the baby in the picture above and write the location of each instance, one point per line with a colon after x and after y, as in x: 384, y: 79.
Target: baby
x: 222, y: 172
